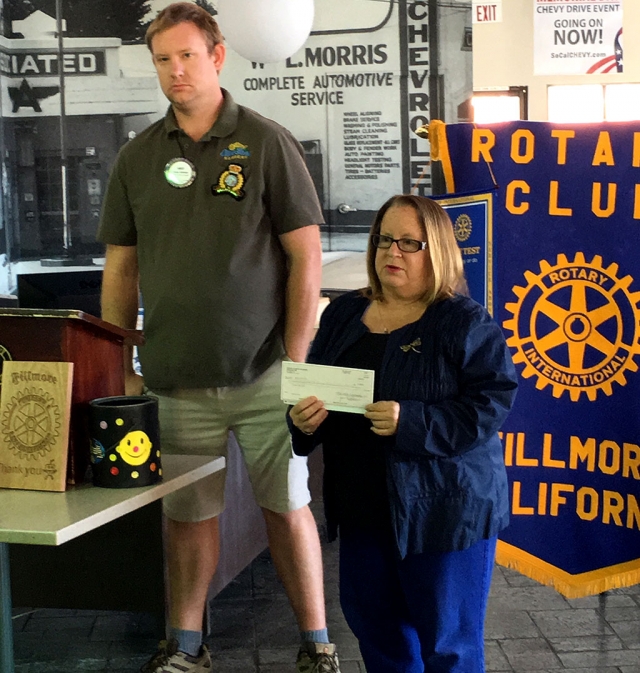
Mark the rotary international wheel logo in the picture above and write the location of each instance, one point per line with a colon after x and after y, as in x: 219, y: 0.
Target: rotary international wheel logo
x: 462, y: 227
x: 31, y: 423
x: 576, y: 326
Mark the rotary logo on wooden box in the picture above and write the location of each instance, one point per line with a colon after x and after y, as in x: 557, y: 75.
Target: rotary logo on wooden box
x: 35, y: 407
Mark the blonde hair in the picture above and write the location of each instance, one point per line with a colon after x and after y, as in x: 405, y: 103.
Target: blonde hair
x: 442, y: 248
x: 185, y: 12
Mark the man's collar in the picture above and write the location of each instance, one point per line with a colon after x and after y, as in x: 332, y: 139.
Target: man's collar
x: 223, y: 126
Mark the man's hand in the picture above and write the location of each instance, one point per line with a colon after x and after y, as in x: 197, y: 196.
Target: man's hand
x: 308, y: 414
x: 133, y: 384
x: 384, y: 417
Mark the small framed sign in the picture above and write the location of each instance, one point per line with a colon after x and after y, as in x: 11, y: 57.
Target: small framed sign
x: 35, y: 407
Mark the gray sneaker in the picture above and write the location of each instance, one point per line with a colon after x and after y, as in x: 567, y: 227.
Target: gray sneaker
x: 317, y: 658
x: 168, y: 660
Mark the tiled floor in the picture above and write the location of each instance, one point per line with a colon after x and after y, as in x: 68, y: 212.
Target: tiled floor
x: 529, y: 628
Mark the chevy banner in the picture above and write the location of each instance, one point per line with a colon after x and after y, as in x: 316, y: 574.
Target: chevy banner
x: 577, y: 37
x: 567, y: 293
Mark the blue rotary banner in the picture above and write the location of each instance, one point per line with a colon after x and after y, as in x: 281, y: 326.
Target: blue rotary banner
x: 566, y: 290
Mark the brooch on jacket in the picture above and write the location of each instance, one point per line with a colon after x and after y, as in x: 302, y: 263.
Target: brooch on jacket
x: 412, y: 346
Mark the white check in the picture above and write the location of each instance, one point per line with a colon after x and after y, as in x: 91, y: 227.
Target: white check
x: 340, y: 388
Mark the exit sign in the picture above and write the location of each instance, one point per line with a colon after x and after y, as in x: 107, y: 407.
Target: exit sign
x: 487, y: 12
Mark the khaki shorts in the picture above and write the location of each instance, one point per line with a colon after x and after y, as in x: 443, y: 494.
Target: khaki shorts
x: 198, y: 421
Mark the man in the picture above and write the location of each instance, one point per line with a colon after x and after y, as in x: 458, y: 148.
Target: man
x: 212, y: 210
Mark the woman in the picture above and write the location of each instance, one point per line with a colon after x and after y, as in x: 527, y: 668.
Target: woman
x: 417, y: 486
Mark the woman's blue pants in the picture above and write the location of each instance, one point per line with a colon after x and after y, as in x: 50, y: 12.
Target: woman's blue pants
x: 422, y: 614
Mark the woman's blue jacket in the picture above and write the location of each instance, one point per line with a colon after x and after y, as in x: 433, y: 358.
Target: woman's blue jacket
x: 452, y: 374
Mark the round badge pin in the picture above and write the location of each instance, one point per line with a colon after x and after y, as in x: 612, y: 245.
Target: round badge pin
x: 180, y: 172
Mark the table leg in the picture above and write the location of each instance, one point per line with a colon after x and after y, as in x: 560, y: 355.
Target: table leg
x: 6, y: 626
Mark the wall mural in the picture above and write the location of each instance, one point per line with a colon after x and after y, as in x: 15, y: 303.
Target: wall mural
x: 353, y: 95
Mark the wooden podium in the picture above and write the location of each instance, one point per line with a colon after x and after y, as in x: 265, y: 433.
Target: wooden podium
x: 93, y: 345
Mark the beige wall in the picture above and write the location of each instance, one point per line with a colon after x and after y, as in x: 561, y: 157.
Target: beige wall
x: 503, y: 55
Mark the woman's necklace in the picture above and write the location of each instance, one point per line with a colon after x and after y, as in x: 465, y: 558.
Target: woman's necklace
x: 384, y: 327
x: 409, y: 314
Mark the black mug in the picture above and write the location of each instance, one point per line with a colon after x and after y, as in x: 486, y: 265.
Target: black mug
x: 125, y: 441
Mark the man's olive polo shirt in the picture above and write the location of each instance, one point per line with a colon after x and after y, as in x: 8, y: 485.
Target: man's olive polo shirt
x: 212, y: 270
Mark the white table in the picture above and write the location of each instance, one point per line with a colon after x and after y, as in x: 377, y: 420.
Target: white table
x: 40, y: 518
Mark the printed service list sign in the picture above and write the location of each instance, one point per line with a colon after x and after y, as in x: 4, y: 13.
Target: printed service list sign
x: 577, y: 37
x: 340, y: 388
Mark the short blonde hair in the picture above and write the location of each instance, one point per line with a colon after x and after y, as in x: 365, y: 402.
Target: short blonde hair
x: 444, y: 253
x: 185, y: 12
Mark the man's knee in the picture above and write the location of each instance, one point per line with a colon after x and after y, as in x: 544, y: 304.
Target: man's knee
x: 183, y: 531
x: 292, y: 519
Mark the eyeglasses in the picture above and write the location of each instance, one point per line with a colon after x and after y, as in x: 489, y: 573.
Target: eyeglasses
x: 404, y: 244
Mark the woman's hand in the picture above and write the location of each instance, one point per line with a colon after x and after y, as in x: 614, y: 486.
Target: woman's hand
x: 384, y: 417
x: 308, y: 414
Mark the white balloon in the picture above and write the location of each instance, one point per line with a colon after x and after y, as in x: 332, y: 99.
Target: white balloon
x: 265, y: 31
